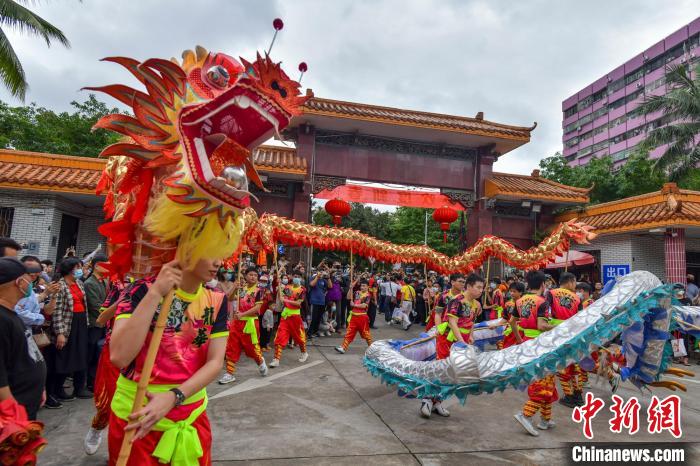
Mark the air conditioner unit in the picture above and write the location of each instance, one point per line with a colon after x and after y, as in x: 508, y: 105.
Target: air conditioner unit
x: 683, y: 59
x: 605, y: 100
x: 609, y: 79
x: 646, y: 57
x: 639, y: 84
x: 578, y: 128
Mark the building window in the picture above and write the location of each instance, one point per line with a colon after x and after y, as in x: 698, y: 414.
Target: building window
x: 586, y: 135
x: 570, y: 111
x: 618, y: 121
x: 585, y: 103
x: 586, y: 151
x: 632, y: 77
x: 600, y: 129
x: 617, y: 104
x: 6, y: 215
x: 616, y: 85
x: 600, y: 112
x: 571, y: 143
x: 674, y: 53
x: 633, y: 96
x: 599, y: 95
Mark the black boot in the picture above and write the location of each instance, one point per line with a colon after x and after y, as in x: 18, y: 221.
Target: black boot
x: 578, y: 398
x: 569, y: 401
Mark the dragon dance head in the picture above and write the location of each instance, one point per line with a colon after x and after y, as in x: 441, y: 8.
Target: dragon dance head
x: 180, y: 174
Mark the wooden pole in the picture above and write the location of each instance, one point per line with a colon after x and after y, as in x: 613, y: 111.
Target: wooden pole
x: 566, y: 261
x: 277, y: 272
x: 352, y: 268
x: 238, y: 280
x: 125, y: 450
x: 486, y: 285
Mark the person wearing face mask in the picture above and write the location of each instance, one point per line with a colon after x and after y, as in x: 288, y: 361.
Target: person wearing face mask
x: 430, y: 294
x: 265, y: 316
x: 29, y: 307
x: 583, y: 291
x: 290, y: 320
x: 244, y: 328
x: 22, y: 376
x: 69, y: 333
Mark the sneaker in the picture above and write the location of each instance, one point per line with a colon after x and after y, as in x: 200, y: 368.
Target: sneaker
x: 340, y: 349
x: 52, y: 403
x: 426, y: 408
x: 93, y: 439
x: 569, y: 401
x: 303, y: 357
x: 227, y: 378
x: 262, y: 368
x: 408, y: 327
x: 62, y: 396
x: 525, y: 422
x: 275, y: 363
x: 544, y: 425
x: 437, y: 408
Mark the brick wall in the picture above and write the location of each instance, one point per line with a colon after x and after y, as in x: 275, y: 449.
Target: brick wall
x: 648, y: 254
x: 614, y: 250
x: 37, y: 218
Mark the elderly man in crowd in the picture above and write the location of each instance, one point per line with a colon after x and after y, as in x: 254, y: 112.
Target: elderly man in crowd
x: 22, y: 369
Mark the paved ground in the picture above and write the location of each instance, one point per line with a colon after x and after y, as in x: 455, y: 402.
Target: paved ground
x: 331, y: 411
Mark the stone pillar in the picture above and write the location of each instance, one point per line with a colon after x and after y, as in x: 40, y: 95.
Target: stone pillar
x: 674, y: 248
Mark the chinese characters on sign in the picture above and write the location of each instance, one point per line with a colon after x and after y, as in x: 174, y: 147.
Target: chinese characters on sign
x: 662, y: 415
x: 611, y: 272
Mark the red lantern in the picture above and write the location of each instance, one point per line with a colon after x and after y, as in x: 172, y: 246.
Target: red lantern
x: 445, y: 215
x: 337, y: 208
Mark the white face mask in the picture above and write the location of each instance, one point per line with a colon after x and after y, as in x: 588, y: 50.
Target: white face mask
x: 212, y: 283
x: 580, y: 295
x: 285, y: 281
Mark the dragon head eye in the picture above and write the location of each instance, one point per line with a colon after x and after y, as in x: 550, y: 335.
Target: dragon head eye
x: 218, y: 76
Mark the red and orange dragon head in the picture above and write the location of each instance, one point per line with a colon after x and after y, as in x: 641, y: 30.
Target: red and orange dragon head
x: 180, y: 175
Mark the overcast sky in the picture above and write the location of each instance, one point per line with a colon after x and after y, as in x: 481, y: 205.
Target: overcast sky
x: 514, y: 60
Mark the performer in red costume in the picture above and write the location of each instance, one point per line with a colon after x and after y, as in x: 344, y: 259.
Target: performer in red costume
x: 244, y: 329
x: 290, y: 321
x: 106, y: 375
x: 512, y: 334
x: 564, y: 303
x: 173, y: 428
x: 455, y: 314
x: 534, y: 314
x: 358, y: 321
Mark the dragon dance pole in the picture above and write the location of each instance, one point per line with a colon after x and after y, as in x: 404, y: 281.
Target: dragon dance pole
x: 277, y: 271
x: 125, y: 450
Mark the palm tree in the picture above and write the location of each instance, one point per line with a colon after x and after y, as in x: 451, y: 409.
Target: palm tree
x: 681, y: 109
x: 15, y: 16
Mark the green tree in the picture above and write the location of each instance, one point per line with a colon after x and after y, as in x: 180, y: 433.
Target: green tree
x: 15, y: 16
x: 680, y: 107
x: 408, y: 227
x: 636, y: 176
x: 38, y: 129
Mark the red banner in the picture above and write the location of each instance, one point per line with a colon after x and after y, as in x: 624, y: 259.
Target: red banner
x: 385, y: 196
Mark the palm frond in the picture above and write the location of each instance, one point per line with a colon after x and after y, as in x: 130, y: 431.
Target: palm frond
x: 668, y: 134
x: 679, y: 75
x: 11, y: 71
x: 18, y: 17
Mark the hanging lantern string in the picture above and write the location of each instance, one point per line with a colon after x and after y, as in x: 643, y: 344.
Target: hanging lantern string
x: 278, y: 24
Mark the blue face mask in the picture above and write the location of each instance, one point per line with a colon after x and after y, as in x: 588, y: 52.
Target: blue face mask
x: 77, y: 273
x: 296, y: 281
x: 228, y: 276
x: 29, y: 290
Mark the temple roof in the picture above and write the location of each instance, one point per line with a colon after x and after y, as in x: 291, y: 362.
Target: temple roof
x: 533, y: 187
x: 669, y: 207
x: 412, y: 124
x: 65, y: 173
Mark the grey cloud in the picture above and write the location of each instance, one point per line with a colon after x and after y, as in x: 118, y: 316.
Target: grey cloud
x: 515, y: 61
